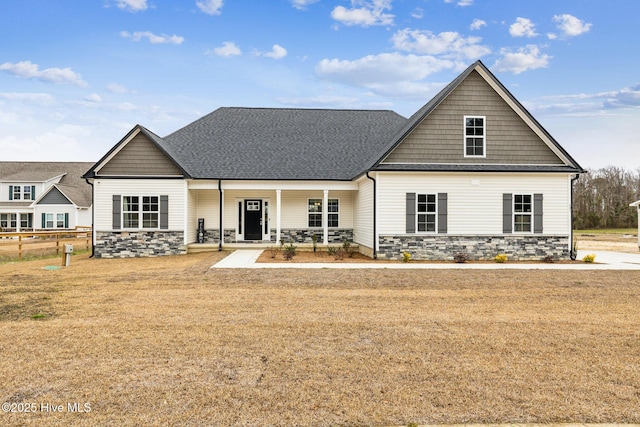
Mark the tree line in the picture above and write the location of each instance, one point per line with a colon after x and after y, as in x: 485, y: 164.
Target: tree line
x: 602, y: 197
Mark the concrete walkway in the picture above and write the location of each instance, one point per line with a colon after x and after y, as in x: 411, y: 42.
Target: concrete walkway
x: 246, y: 258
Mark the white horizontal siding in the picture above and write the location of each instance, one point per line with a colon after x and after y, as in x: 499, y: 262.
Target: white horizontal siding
x: 105, y: 189
x: 363, y: 214
x: 474, y: 200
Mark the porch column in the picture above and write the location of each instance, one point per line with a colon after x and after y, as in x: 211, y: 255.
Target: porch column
x: 325, y: 217
x: 221, y: 213
x: 18, y: 222
x: 278, y: 204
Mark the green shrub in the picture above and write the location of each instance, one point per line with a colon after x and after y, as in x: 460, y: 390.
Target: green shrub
x: 461, y: 257
x: 289, y: 251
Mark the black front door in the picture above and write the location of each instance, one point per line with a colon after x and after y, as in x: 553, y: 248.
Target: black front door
x: 253, y: 220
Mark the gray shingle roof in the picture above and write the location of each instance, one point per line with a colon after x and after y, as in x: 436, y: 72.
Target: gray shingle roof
x: 282, y: 144
x: 26, y: 172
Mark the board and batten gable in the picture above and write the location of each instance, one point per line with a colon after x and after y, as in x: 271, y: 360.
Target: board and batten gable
x: 474, y: 201
x: 139, y: 156
x: 439, y: 138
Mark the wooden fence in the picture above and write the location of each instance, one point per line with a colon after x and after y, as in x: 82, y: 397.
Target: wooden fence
x: 42, y: 243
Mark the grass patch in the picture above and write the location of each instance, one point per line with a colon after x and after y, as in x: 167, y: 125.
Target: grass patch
x: 187, y: 345
x: 620, y: 231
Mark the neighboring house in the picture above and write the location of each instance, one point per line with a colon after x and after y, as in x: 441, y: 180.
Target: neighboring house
x: 44, y: 196
x: 472, y: 171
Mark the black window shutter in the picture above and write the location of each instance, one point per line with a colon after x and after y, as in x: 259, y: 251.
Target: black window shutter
x: 11, y: 192
x: 33, y: 192
x: 537, y: 213
x: 164, y: 212
x: 66, y: 220
x: 117, y: 211
x: 411, y: 213
x: 44, y: 220
x: 442, y: 213
x: 507, y: 213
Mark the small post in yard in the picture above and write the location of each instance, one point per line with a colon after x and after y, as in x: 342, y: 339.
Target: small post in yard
x: 20, y: 247
x: 66, y: 256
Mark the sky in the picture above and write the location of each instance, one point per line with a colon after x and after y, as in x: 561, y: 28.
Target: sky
x: 77, y: 75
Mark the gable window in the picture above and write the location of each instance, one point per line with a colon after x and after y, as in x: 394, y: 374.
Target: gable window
x: 315, y: 213
x: 426, y: 213
x: 27, y: 192
x: 55, y: 220
x: 474, y: 136
x: 522, y: 213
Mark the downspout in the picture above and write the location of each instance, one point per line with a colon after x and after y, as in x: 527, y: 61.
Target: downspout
x: 93, y: 207
x: 221, y: 233
x: 573, y: 253
x: 375, y: 231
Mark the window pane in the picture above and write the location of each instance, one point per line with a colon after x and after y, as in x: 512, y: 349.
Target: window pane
x: 332, y: 205
x: 315, y: 205
x: 130, y: 220
x: 315, y: 220
x: 149, y: 220
x: 333, y: 220
x: 468, y: 122
x: 60, y: 220
x: 479, y: 121
x: 522, y: 223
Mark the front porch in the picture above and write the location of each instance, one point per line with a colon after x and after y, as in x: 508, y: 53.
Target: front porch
x: 268, y: 213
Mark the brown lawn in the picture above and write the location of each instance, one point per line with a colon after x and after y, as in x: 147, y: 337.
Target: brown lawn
x: 167, y: 341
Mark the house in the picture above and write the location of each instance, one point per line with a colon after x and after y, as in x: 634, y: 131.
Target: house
x: 472, y: 171
x: 44, y: 196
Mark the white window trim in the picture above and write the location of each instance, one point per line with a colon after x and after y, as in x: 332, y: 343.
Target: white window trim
x: 140, y: 212
x: 322, y: 211
x: 484, y: 137
x: 435, y: 231
x: 514, y: 213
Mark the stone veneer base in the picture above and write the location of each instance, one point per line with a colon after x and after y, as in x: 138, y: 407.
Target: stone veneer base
x: 288, y: 235
x: 130, y: 244
x: 443, y: 247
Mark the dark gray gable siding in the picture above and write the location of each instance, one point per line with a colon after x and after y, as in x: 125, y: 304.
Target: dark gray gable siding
x: 440, y: 137
x: 54, y: 197
x: 140, y: 156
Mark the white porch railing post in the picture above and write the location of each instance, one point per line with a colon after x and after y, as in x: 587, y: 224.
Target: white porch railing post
x: 325, y: 217
x: 278, y: 205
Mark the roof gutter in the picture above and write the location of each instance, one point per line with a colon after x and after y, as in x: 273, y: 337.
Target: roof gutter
x: 220, y: 201
x: 375, y: 205
x: 93, y: 214
x: 573, y: 252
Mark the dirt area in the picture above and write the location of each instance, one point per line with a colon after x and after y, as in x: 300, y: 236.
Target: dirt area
x: 620, y: 242
x: 169, y: 341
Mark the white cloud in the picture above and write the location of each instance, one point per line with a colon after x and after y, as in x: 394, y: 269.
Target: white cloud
x: 364, y: 13
x: 526, y: 58
x: 302, y: 4
x: 570, y: 25
x: 116, y: 88
x: 210, y: 7
x: 418, y: 13
x: 386, y: 68
x: 132, y: 5
x: 29, y: 70
x: 461, y: 3
x: 277, y: 52
x: 94, y: 97
x: 477, y: 24
x: 227, y: 49
x: 153, y: 38
x: 523, y: 27
x: 41, y: 99
x: 449, y: 44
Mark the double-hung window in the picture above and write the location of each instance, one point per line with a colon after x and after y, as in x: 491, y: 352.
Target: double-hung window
x: 426, y: 212
x: 140, y: 211
x: 17, y: 190
x: 522, y: 213
x: 475, y: 136
x: 315, y: 213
